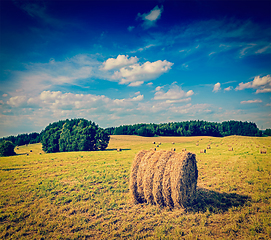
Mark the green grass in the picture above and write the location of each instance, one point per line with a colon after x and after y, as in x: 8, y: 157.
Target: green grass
x: 82, y: 195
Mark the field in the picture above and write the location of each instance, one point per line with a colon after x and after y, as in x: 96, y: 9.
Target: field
x: 85, y: 195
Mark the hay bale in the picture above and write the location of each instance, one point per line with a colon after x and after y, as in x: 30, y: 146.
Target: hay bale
x: 184, y: 149
x: 30, y: 150
x: 203, y: 151
x: 173, y: 142
x: 119, y: 150
x: 197, y: 144
x: 208, y: 147
x: 133, y: 176
x: 173, y: 149
x: 157, y: 145
x: 153, y: 142
x: 263, y: 151
x: 153, y: 149
x: 165, y: 178
x: 230, y: 149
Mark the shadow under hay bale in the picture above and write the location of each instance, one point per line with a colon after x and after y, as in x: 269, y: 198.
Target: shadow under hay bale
x: 165, y: 178
x: 216, y: 201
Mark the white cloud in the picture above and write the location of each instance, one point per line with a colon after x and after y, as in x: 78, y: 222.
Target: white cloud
x: 228, y: 88
x: 251, y: 101
x: 217, y: 87
x: 118, y: 62
x: 17, y: 101
x: 174, y: 93
x: 149, y: 19
x: 4, y: 95
x: 136, y: 74
x: 262, y: 84
x: 136, y: 84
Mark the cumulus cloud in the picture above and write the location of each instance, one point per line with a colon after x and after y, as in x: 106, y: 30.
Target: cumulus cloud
x: 174, y: 94
x: 251, y: 101
x: 136, y: 74
x: 217, y: 87
x: 228, y: 88
x: 262, y: 84
x: 149, y: 19
x: 17, y: 101
x: 118, y: 62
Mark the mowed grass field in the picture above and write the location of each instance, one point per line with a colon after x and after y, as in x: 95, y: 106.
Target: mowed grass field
x: 85, y: 195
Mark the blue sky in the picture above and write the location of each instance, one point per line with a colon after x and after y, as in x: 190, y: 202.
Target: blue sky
x: 126, y: 62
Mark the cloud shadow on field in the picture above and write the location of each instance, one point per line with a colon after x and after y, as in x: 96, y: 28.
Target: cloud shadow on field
x: 216, y: 201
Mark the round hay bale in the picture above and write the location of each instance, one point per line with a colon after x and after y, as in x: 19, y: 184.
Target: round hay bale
x: 208, y: 147
x: 197, y: 144
x: 184, y: 149
x: 153, y: 142
x: 173, y: 142
x: 157, y: 145
x: 119, y: 150
x: 165, y: 178
x: 263, y: 151
x: 30, y: 150
x: 153, y: 149
x: 203, y: 151
x: 173, y: 149
x: 133, y: 176
x: 140, y: 174
x: 230, y: 149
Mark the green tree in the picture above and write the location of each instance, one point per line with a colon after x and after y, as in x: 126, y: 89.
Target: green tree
x: 7, y: 148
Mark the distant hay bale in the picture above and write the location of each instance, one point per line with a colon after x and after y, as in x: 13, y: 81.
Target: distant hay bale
x: 119, y: 150
x: 184, y: 149
x: 257, y: 146
x: 164, y: 178
x: 197, y: 144
x: 30, y: 150
x: 208, y: 147
x: 173, y: 142
x: 173, y: 149
x: 153, y: 142
x: 230, y: 149
x: 40, y: 153
x: 157, y: 145
x: 27, y: 154
x: 153, y: 149
x: 216, y: 145
x: 263, y: 146
x: 203, y: 151
x: 263, y: 151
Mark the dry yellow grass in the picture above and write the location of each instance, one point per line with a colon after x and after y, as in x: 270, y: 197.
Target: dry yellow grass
x: 85, y: 195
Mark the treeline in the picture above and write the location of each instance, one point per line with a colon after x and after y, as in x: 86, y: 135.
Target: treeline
x: 189, y: 128
x: 73, y: 135
x: 23, y: 139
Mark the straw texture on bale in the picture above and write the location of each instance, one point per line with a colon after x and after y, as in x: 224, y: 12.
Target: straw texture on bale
x: 164, y: 178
